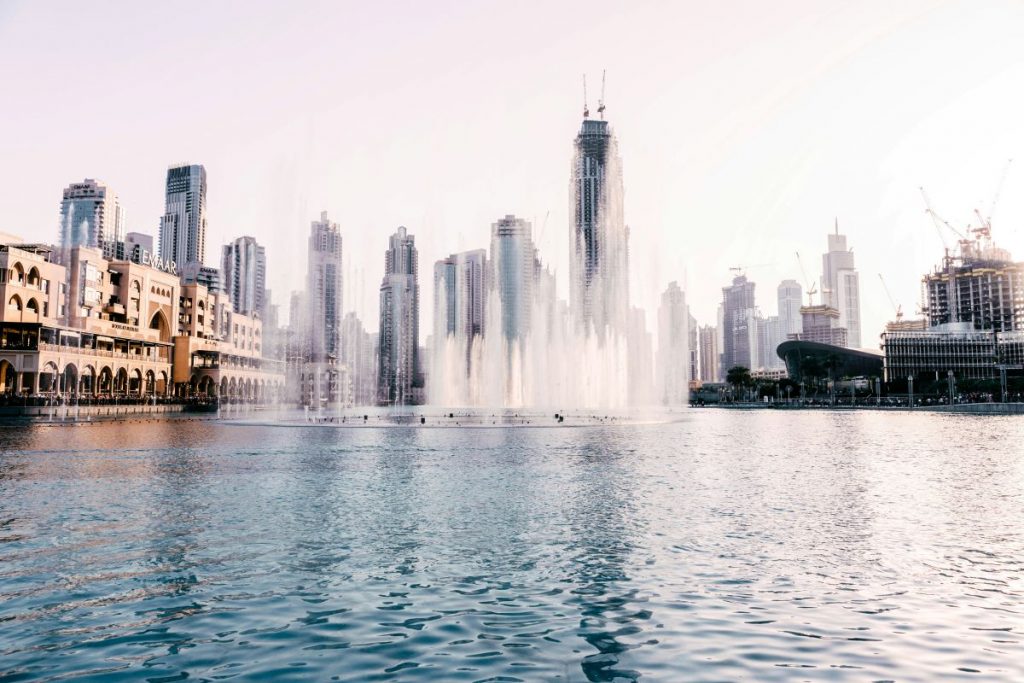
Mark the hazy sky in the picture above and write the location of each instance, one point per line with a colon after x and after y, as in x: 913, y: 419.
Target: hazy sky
x: 745, y: 128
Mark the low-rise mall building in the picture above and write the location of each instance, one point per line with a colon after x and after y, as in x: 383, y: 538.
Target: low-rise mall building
x: 219, y: 353
x: 94, y: 330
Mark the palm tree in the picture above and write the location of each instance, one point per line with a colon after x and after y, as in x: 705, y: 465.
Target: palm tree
x: 810, y: 369
x: 738, y: 376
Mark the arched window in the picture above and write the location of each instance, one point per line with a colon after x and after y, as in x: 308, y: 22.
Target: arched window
x: 15, y: 303
x: 159, y: 323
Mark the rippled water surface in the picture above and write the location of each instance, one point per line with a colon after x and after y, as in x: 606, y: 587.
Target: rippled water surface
x: 764, y: 546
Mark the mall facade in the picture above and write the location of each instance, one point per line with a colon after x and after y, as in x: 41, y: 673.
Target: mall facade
x: 75, y: 326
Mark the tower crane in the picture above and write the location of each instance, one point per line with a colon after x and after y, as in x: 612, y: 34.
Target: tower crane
x: 939, y: 221
x: 540, y: 236
x: 742, y: 269
x: 897, y: 307
x: 812, y: 288
x: 985, y: 226
x: 586, y: 109
x: 966, y: 243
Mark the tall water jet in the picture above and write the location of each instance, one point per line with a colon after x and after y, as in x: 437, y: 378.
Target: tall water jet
x: 599, y: 267
x: 533, y: 350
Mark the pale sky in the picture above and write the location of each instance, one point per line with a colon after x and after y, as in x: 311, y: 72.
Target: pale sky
x: 745, y: 128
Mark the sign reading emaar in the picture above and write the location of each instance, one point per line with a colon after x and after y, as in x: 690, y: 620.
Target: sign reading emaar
x: 155, y: 261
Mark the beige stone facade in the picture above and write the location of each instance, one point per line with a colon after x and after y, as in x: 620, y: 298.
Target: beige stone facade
x: 102, y: 334
x: 107, y: 331
x: 219, y: 353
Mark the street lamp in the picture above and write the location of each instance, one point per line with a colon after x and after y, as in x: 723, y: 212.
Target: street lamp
x: 910, y: 393
x: 952, y: 385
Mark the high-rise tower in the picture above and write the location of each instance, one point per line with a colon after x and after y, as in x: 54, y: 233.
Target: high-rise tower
x: 459, y: 294
x: 673, y: 360
x: 739, y: 325
x: 790, y: 295
x: 514, y: 269
x: 399, y: 357
x: 840, y: 286
x: 599, y: 275
x: 709, y: 358
x: 183, y: 228
x: 91, y: 216
x: 244, y: 273
x: 324, y: 289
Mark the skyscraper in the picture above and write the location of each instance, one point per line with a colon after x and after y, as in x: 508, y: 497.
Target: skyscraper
x: 399, y: 362
x: 459, y: 294
x: 673, y: 340
x: 357, y: 354
x: 840, y: 285
x: 183, y: 228
x: 324, y: 289
x: 790, y: 300
x: 640, y: 360
x: 244, y: 275
x: 693, y: 345
x: 91, y: 216
x: 769, y: 336
x: 709, y: 360
x: 599, y: 278
x: 822, y: 324
x: 739, y: 320
x: 514, y: 269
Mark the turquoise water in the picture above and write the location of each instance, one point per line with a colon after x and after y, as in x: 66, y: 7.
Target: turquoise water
x: 768, y: 546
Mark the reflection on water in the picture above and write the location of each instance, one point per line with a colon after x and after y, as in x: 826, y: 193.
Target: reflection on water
x: 761, y: 546
x: 603, y: 522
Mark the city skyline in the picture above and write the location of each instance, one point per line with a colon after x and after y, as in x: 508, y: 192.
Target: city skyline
x: 862, y: 162
x: 489, y: 341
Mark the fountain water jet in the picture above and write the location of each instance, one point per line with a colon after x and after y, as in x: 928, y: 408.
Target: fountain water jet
x: 534, y: 350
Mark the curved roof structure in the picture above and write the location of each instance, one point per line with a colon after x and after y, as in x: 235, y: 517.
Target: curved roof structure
x: 850, y: 362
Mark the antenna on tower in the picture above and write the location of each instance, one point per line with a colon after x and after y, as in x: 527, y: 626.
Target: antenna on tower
x: 600, y: 102
x: 586, y: 109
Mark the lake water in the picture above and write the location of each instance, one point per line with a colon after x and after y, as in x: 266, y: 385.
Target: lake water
x: 762, y: 545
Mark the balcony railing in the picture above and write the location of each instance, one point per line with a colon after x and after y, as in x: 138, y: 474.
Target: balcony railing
x: 161, y: 355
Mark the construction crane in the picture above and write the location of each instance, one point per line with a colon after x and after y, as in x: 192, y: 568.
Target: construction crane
x: 586, y: 109
x: 939, y: 221
x: 812, y: 288
x: 985, y: 226
x: 600, y: 102
x: 897, y: 307
x: 965, y: 243
x: 540, y: 235
x: 742, y: 269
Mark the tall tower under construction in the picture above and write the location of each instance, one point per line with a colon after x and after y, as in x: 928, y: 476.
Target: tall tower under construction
x: 982, y: 286
x: 599, y: 275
